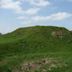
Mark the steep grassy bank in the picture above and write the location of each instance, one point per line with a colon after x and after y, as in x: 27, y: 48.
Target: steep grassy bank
x: 33, y: 43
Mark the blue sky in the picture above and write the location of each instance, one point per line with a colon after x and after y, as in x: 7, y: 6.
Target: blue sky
x: 22, y: 13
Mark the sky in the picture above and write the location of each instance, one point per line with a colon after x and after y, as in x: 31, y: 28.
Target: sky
x: 24, y: 13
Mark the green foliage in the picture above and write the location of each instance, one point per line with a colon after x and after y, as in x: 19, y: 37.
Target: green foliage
x: 33, y: 40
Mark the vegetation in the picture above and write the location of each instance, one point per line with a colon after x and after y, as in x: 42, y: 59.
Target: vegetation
x: 33, y: 44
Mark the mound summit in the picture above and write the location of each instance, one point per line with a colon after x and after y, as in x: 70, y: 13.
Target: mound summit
x: 36, y: 39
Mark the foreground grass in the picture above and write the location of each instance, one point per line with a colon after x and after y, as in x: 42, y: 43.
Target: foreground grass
x: 34, y: 44
x: 9, y: 63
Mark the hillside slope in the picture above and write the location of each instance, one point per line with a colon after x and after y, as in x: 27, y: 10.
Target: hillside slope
x: 36, y: 39
x: 34, y: 45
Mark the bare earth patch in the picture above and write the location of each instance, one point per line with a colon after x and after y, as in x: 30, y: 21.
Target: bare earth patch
x: 42, y: 65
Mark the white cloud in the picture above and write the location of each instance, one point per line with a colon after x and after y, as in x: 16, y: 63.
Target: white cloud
x: 43, y: 19
x: 22, y: 17
x: 39, y: 2
x: 32, y: 11
x: 10, y: 4
x: 16, y: 6
x: 54, y: 17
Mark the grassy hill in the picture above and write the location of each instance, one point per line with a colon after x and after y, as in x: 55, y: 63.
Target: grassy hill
x: 33, y: 43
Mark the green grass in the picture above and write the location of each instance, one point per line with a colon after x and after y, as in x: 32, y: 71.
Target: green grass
x: 12, y: 62
x: 35, y: 43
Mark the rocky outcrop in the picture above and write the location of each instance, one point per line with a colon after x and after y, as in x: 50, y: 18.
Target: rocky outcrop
x: 58, y: 34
